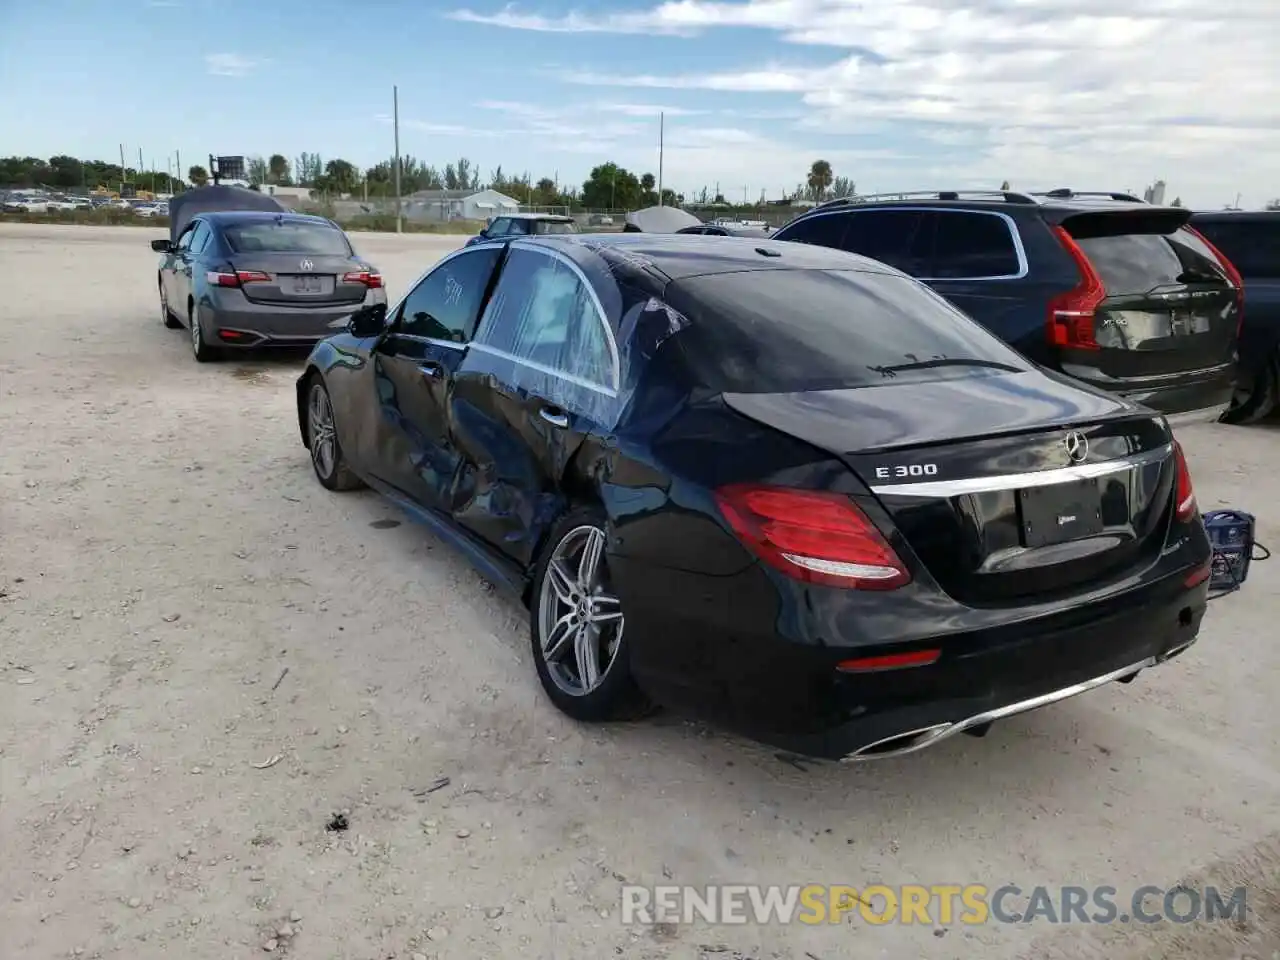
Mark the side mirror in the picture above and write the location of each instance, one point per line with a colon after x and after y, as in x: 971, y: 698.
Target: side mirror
x: 368, y: 321
x: 161, y: 246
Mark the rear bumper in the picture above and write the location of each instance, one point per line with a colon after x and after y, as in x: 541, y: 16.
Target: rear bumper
x: 743, y: 671
x: 1194, y: 395
x: 231, y: 320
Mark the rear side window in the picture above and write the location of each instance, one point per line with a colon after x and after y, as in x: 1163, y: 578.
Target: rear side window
x: 895, y: 237
x: 1135, y: 263
x: 786, y: 331
x: 825, y: 230
x: 973, y: 246
x: 286, y: 236
x: 1253, y: 246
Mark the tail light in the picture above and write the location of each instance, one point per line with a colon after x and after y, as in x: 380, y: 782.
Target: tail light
x: 813, y: 536
x: 371, y: 280
x: 235, y: 278
x: 1232, y: 274
x: 1071, y: 314
x: 1186, y: 495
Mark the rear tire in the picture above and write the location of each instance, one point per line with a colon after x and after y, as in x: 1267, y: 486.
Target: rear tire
x: 565, y: 645
x: 200, y: 349
x: 166, y: 315
x: 327, y: 459
x: 1260, y: 400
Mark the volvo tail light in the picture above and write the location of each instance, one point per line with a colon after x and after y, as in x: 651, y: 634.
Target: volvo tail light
x: 813, y: 536
x: 1232, y: 274
x: 1071, y: 314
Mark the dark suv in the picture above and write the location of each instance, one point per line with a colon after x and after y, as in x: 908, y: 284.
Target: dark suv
x: 1252, y: 240
x: 1115, y: 292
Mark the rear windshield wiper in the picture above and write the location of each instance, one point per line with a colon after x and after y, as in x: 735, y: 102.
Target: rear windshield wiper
x: 1201, y: 276
x: 889, y: 371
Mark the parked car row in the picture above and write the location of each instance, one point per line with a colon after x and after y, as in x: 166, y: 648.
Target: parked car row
x: 43, y: 203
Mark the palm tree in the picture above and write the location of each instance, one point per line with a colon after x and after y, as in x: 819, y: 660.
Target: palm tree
x: 820, y: 178
x: 278, y: 169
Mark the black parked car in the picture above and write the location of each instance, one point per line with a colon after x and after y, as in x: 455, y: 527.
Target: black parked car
x: 240, y: 272
x: 1103, y: 287
x: 1251, y: 239
x: 848, y: 539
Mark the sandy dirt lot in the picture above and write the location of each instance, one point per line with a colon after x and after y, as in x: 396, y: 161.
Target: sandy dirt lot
x: 165, y: 557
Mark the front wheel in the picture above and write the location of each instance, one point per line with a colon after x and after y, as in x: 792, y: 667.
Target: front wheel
x: 327, y: 458
x: 577, y: 627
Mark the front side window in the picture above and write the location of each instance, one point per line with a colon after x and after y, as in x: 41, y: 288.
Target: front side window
x: 895, y: 237
x: 544, y: 315
x: 200, y: 237
x: 556, y: 226
x: 184, y: 241
x: 498, y: 228
x: 823, y: 230
x: 446, y: 303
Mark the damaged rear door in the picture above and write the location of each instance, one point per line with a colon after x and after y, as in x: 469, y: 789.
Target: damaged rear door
x: 540, y: 379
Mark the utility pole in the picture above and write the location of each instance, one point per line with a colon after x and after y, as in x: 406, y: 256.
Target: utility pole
x: 661, y: 131
x: 122, y: 161
x: 177, y: 162
x: 395, y: 116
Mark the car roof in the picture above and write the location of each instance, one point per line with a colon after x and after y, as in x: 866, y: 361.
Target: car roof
x: 534, y: 216
x: 221, y: 217
x: 678, y: 256
x: 1236, y: 216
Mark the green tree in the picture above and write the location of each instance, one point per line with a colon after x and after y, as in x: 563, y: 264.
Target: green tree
x: 843, y: 187
x: 278, y: 169
x: 1177, y: 201
x: 198, y: 176
x: 340, y: 176
x: 1004, y: 185
x: 819, y: 179
x: 612, y: 187
x: 256, y: 170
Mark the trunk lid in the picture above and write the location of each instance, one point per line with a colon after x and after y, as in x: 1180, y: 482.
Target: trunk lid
x: 978, y: 477
x: 301, y: 279
x: 1169, y: 304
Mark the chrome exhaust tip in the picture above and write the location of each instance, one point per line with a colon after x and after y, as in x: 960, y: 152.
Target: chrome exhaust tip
x: 901, y: 744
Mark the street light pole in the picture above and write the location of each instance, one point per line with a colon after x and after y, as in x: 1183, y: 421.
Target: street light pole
x: 395, y: 116
x: 661, y: 130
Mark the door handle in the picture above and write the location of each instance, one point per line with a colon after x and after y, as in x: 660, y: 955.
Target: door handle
x: 554, y: 416
x: 430, y: 370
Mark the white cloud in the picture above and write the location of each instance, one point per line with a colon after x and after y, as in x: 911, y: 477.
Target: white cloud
x: 1042, y: 92
x: 229, y: 64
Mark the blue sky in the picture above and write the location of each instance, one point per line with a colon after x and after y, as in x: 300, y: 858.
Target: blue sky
x: 896, y: 94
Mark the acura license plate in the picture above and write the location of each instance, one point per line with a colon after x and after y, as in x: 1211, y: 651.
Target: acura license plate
x: 306, y: 285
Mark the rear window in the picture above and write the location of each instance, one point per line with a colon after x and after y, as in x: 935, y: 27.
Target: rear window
x: 1252, y: 245
x: 786, y: 331
x: 1135, y: 263
x: 285, y: 236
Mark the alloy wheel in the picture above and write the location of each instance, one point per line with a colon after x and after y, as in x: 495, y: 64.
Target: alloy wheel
x: 324, y: 451
x: 580, y: 619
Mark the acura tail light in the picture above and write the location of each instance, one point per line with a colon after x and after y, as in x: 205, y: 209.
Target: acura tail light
x: 1232, y: 274
x: 370, y: 280
x: 1071, y: 314
x: 814, y: 536
x: 1186, y: 493
x: 235, y: 278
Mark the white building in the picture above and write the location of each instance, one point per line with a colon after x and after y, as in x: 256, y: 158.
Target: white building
x: 458, y: 205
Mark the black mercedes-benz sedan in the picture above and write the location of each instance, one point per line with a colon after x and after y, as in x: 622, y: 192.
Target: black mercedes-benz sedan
x: 784, y: 486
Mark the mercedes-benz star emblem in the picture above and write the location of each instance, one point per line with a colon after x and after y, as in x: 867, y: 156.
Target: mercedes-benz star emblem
x: 1077, y: 445
x: 307, y: 265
